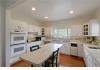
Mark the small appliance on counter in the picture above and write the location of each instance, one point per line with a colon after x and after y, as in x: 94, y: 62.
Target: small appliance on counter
x: 32, y: 36
x: 90, y: 39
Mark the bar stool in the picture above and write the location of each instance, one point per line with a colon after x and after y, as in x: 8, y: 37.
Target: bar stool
x: 53, y: 59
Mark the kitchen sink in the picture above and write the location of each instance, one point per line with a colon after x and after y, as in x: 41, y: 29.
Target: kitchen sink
x: 94, y: 47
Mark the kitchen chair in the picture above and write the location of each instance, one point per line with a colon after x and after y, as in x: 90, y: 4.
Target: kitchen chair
x: 33, y: 48
x: 53, y: 59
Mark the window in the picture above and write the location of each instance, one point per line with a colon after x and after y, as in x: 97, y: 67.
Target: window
x: 62, y: 32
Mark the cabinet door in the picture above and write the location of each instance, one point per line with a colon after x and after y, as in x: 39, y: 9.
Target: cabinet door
x: 86, y: 29
x: 62, y: 50
x: 65, y: 49
x: 95, y: 29
x: 96, y: 64
x: 89, y: 61
x: 80, y: 50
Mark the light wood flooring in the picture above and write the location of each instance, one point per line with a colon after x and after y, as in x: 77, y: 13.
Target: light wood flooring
x: 65, y: 61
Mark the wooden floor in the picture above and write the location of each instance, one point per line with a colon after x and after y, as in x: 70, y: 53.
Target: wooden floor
x: 65, y: 61
x: 21, y: 64
x: 71, y: 61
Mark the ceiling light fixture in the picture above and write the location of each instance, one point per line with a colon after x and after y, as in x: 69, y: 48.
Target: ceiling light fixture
x: 71, y: 12
x: 45, y: 17
x: 33, y: 9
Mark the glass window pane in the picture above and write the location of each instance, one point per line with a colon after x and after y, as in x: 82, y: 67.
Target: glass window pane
x: 69, y: 31
x: 62, y: 32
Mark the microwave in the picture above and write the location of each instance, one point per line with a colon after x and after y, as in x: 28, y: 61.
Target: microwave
x: 18, y: 38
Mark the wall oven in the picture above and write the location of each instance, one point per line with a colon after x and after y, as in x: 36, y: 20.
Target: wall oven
x: 18, y: 45
x: 18, y: 38
x: 17, y: 50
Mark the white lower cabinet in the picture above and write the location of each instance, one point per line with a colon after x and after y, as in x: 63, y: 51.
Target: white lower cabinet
x: 89, y: 59
x: 65, y: 49
x: 80, y: 50
x: 91, y: 62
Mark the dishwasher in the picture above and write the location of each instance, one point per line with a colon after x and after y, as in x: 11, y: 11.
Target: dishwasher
x: 74, y: 49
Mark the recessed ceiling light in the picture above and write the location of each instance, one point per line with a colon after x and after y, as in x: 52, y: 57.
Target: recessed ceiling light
x: 33, y: 9
x: 45, y: 17
x: 71, y: 12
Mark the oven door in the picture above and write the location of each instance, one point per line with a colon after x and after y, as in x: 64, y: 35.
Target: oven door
x: 18, y: 38
x: 18, y: 49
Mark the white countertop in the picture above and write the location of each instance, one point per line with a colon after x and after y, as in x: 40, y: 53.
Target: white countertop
x: 39, y: 56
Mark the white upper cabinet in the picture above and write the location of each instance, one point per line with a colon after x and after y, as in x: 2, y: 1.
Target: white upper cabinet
x: 92, y: 28
x: 95, y: 28
x: 33, y: 28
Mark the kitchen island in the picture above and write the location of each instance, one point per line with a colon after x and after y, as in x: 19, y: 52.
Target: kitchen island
x: 38, y: 57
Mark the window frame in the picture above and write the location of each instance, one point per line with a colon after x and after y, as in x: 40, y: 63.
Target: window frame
x: 56, y: 32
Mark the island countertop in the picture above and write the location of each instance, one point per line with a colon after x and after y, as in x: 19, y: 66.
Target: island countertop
x: 41, y: 55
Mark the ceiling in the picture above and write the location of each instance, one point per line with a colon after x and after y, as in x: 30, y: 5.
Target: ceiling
x: 56, y: 9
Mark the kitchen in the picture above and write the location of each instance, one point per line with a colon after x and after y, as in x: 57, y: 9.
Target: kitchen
x: 37, y: 24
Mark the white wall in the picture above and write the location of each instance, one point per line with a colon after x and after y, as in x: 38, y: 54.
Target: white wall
x: 2, y: 32
x: 26, y: 24
x: 97, y: 14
